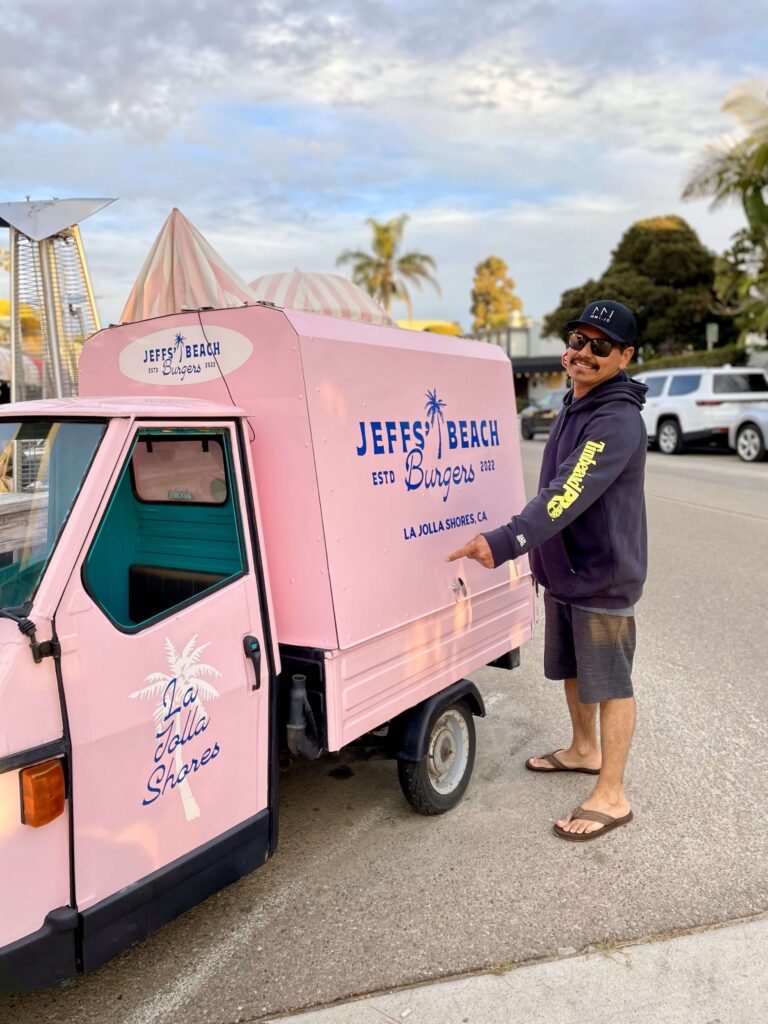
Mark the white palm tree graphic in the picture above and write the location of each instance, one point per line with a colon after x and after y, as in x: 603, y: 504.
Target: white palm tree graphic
x: 188, y: 671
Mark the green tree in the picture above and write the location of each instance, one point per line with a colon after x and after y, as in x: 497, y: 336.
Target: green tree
x: 660, y: 270
x: 493, y: 295
x: 741, y: 282
x: 383, y: 272
x: 736, y: 168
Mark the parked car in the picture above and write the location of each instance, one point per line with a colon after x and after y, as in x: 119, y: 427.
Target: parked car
x: 698, y: 403
x: 748, y: 434
x: 538, y: 417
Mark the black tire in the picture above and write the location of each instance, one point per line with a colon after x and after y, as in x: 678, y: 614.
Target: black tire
x: 527, y: 433
x: 750, y: 443
x: 438, y: 781
x: 669, y: 437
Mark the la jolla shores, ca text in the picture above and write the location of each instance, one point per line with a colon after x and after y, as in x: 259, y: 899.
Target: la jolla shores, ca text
x: 441, y: 525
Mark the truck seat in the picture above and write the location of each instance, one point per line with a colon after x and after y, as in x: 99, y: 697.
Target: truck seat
x: 153, y: 589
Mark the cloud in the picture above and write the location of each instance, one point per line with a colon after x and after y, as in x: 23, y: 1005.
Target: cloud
x: 143, y: 69
x: 528, y: 129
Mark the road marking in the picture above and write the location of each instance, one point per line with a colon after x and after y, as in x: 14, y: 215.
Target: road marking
x: 708, y: 508
x: 168, y: 1004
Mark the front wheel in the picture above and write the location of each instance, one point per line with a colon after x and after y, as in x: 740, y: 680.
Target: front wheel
x: 670, y: 438
x: 439, y: 780
x: 750, y: 445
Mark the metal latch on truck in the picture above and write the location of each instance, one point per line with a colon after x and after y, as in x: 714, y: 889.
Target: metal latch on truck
x: 45, y: 649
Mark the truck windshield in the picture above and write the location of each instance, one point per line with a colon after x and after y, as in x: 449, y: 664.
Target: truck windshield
x: 42, y: 465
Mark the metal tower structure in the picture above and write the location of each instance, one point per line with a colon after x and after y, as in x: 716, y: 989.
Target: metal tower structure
x: 52, y: 308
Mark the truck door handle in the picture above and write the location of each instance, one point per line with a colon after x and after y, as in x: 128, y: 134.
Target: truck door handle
x: 252, y: 649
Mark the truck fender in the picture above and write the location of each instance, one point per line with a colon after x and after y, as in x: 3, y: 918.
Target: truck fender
x: 408, y: 735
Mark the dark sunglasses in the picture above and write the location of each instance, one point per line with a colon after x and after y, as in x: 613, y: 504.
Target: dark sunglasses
x: 601, y: 347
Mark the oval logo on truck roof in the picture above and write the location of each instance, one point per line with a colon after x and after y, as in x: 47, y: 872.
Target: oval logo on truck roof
x: 186, y: 356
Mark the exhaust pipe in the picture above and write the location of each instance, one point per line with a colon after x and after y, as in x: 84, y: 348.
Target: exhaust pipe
x: 301, y: 721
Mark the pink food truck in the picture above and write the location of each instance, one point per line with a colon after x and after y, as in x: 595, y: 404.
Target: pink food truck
x: 232, y: 545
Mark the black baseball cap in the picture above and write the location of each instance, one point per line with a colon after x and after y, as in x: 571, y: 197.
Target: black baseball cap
x: 616, y: 321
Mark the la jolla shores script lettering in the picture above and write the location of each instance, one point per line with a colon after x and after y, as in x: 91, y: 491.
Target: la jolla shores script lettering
x: 181, y: 720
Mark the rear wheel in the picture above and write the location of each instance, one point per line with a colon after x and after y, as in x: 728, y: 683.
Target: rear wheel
x: 669, y: 437
x: 750, y: 444
x: 439, y: 780
x: 527, y: 433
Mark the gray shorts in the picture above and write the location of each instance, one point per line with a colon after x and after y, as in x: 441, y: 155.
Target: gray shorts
x: 594, y: 647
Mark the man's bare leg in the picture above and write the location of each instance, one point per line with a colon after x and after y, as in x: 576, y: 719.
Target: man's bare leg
x: 584, y: 751
x: 617, y: 724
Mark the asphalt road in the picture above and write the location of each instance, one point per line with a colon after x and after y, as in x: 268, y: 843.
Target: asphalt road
x: 364, y: 895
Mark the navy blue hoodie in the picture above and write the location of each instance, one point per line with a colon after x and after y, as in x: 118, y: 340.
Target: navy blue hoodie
x: 586, y: 527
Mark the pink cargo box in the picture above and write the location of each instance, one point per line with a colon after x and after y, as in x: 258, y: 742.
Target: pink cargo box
x: 376, y: 452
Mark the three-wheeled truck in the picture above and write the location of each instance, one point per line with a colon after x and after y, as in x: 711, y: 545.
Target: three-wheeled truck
x: 233, y: 543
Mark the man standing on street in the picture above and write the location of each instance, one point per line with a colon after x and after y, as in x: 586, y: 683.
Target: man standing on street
x: 586, y: 532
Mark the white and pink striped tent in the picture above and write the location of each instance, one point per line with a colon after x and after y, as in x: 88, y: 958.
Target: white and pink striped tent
x: 319, y: 293
x: 183, y: 271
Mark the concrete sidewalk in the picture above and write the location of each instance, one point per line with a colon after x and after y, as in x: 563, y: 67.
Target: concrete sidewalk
x: 717, y: 976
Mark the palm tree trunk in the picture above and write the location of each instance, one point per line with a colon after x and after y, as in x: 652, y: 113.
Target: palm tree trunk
x: 191, y: 809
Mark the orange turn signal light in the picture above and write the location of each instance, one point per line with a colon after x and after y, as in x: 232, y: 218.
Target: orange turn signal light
x: 43, y: 793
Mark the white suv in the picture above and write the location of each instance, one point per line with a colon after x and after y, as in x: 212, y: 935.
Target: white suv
x: 697, y: 403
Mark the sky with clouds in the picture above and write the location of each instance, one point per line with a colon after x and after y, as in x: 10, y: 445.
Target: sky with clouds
x: 527, y: 129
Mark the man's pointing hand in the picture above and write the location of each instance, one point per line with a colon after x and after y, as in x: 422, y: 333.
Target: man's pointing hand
x: 477, y: 549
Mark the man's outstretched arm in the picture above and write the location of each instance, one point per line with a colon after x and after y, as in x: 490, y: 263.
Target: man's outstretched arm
x: 584, y: 476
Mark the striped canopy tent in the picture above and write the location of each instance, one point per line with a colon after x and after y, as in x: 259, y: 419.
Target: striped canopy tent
x: 31, y: 368
x: 183, y: 271
x: 319, y: 293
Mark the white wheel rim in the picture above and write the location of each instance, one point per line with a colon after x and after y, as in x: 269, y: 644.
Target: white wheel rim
x: 448, y: 752
x: 748, y: 444
x: 668, y: 438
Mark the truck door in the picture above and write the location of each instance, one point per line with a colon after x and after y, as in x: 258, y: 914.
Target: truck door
x: 167, y: 678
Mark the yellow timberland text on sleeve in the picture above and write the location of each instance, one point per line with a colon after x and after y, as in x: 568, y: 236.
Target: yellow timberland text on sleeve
x: 558, y: 503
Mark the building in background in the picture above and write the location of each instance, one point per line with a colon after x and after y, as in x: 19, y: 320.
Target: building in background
x: 537, y: 360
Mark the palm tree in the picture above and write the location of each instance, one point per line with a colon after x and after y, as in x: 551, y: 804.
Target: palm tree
x: 735, y: 168
x: 186, y: 671
x: 434, y: 409
x: 382, y: 272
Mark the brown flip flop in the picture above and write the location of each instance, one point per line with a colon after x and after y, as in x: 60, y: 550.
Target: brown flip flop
x: 606, y: 821
x: 557, y: 766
